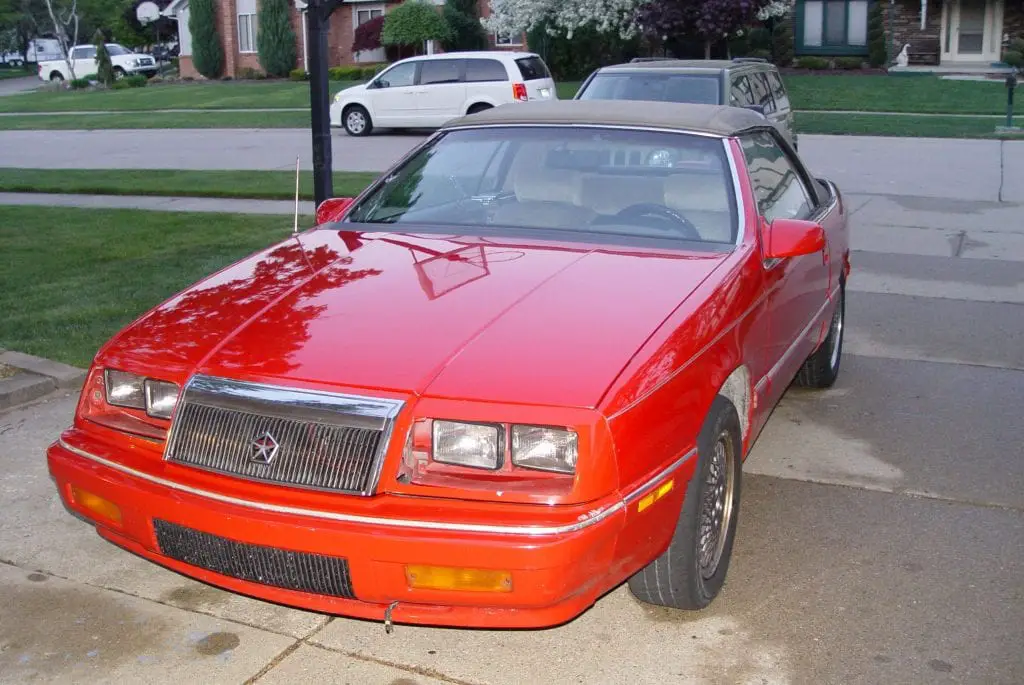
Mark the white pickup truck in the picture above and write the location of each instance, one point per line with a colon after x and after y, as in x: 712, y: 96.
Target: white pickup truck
x: 83, y: 58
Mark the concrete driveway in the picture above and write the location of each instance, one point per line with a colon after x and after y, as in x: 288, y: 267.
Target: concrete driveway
x: 10, y: 86
x: 881, y: 537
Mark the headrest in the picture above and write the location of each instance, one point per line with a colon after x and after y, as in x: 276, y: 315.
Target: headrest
x: 549, y: 185
x: 697, y: 193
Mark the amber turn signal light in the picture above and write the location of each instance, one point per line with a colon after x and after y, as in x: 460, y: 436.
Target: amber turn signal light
x: 462, y: 579
x: 97, y: 505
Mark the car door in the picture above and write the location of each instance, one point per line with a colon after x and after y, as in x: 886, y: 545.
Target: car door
x: 441, y: 90
x: 783, y: 108
x: 393, y: 96
x: 796, y: 287
x: 84, y: 59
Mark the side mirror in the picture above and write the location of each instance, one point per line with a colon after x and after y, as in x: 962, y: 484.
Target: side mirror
x: 791, y: 238
x: 332, y: 209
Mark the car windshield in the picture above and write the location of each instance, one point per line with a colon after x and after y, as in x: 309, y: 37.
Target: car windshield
x: 115, y: 49
x: 593, y: 180
x: 695, y: 88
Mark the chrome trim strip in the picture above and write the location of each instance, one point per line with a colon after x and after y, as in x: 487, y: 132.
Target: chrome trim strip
x: 777, y: 367
x: 637, y: 492
x: 595, y: 517
x: 741, y: 214
x: 283, y: 402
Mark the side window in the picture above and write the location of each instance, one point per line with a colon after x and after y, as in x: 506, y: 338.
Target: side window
x: 759, y: 89
x: 440, y: 71
x: 77, y: 53
x: 778, y: 90
x: 780, y: 191
x: 483, y: 70
x: 739, y: 92
x: 398, y: 77
x: 88, y: 53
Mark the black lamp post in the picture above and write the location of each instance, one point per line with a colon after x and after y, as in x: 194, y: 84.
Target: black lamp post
x: 318, y: 22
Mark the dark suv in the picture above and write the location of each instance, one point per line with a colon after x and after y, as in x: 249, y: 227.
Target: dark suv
x: 747, y: 82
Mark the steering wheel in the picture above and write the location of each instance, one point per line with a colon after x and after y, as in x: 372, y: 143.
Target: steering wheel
x: 668, y: 215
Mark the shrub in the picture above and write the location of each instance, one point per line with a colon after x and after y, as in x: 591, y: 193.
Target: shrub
x: 876, y: 35
x: 762, y: 54
x: 849, y: 62
x: 589, y: 48
x: 133, y: 81
x: 250, y: 73
x: 345, y: 73
x: 275, y: 37
x: 782, y: 43
x: 104, y: 69
x: 811, y: 62
x: 207, y: 55
x: 79, y: 83
x: 759, y: 38
x: 298, y: 75
x: 370, y: 71
x: 1014, y: 53
x: 367, y: 35
x: 413, y: 23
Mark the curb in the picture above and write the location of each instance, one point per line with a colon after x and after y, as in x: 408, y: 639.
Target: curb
x: 38, y: 378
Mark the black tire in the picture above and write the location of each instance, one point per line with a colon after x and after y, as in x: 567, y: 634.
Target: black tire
x: 681, y: 577
x: 821, y: 369
x: 119, y: 73
x: 356, y: 121
x: 478, y: 107
x: 56, y: 77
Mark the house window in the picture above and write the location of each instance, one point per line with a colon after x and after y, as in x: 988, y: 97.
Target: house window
x: 246, y: 25
x: 365, y: 15
x: 507, y: 41
x: 833, y: 26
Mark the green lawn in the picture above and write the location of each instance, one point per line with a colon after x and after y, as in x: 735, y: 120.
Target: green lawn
x: 70, y: 278
x: 897, y: 125
x: 15, y: 73
x: 211, y: 119
x: 268, y: 185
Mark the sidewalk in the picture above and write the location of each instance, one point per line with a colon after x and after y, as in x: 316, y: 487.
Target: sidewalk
x: 166, y: 204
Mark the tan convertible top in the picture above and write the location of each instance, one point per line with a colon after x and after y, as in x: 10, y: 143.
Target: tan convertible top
x: 721, y: 120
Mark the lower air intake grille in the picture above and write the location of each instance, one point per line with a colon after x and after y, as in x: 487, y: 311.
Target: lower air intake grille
x: 302, y: 571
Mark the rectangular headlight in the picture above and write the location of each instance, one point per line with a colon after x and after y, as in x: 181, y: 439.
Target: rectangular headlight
x: 467, y: 444
x: 160, y: 398
x: 125, y: 389
x: 545, y: 449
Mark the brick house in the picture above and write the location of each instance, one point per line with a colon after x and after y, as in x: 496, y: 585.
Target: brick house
x: 237, y: 22
x: 948, y: 33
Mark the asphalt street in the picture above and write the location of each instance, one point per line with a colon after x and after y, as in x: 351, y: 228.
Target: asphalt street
x: 881, y: 534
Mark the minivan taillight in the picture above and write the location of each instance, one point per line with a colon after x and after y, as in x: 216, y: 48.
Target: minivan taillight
x: 519, y: 92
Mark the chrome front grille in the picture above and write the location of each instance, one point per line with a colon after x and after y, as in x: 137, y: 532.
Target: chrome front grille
x: 279, y: 435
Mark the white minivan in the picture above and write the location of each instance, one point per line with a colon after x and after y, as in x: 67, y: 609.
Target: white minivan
x: 429, y: 90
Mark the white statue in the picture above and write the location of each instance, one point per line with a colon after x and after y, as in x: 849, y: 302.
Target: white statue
x: 903, y: 58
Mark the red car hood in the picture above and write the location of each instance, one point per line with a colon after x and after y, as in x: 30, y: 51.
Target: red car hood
x: 471, y: 318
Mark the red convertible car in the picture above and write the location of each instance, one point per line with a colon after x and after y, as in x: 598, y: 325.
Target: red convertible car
x: 521, y: 368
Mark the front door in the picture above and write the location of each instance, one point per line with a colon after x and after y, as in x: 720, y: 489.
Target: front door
x: 972, y: 30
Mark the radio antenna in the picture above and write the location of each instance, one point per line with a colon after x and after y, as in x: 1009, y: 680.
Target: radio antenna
x: 295, y: 226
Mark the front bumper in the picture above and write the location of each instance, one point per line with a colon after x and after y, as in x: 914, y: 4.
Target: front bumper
x: 556, y: 575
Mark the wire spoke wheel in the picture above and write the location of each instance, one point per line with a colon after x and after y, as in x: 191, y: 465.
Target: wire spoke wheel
x: 716, y: 506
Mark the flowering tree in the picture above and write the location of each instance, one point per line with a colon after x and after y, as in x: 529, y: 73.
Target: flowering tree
x: 711, y: 20
x: 513, y: 17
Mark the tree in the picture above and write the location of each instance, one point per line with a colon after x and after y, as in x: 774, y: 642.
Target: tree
x: 275, y: 37
x: 104, y: 69
x: 464, y: 22
x: 513, y: 17
x: 367, y: 35
x: 876, y: 36
x: 207, y: 55
x: 413, y: 23
x: 711, y: 20
x: 64, y: 19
